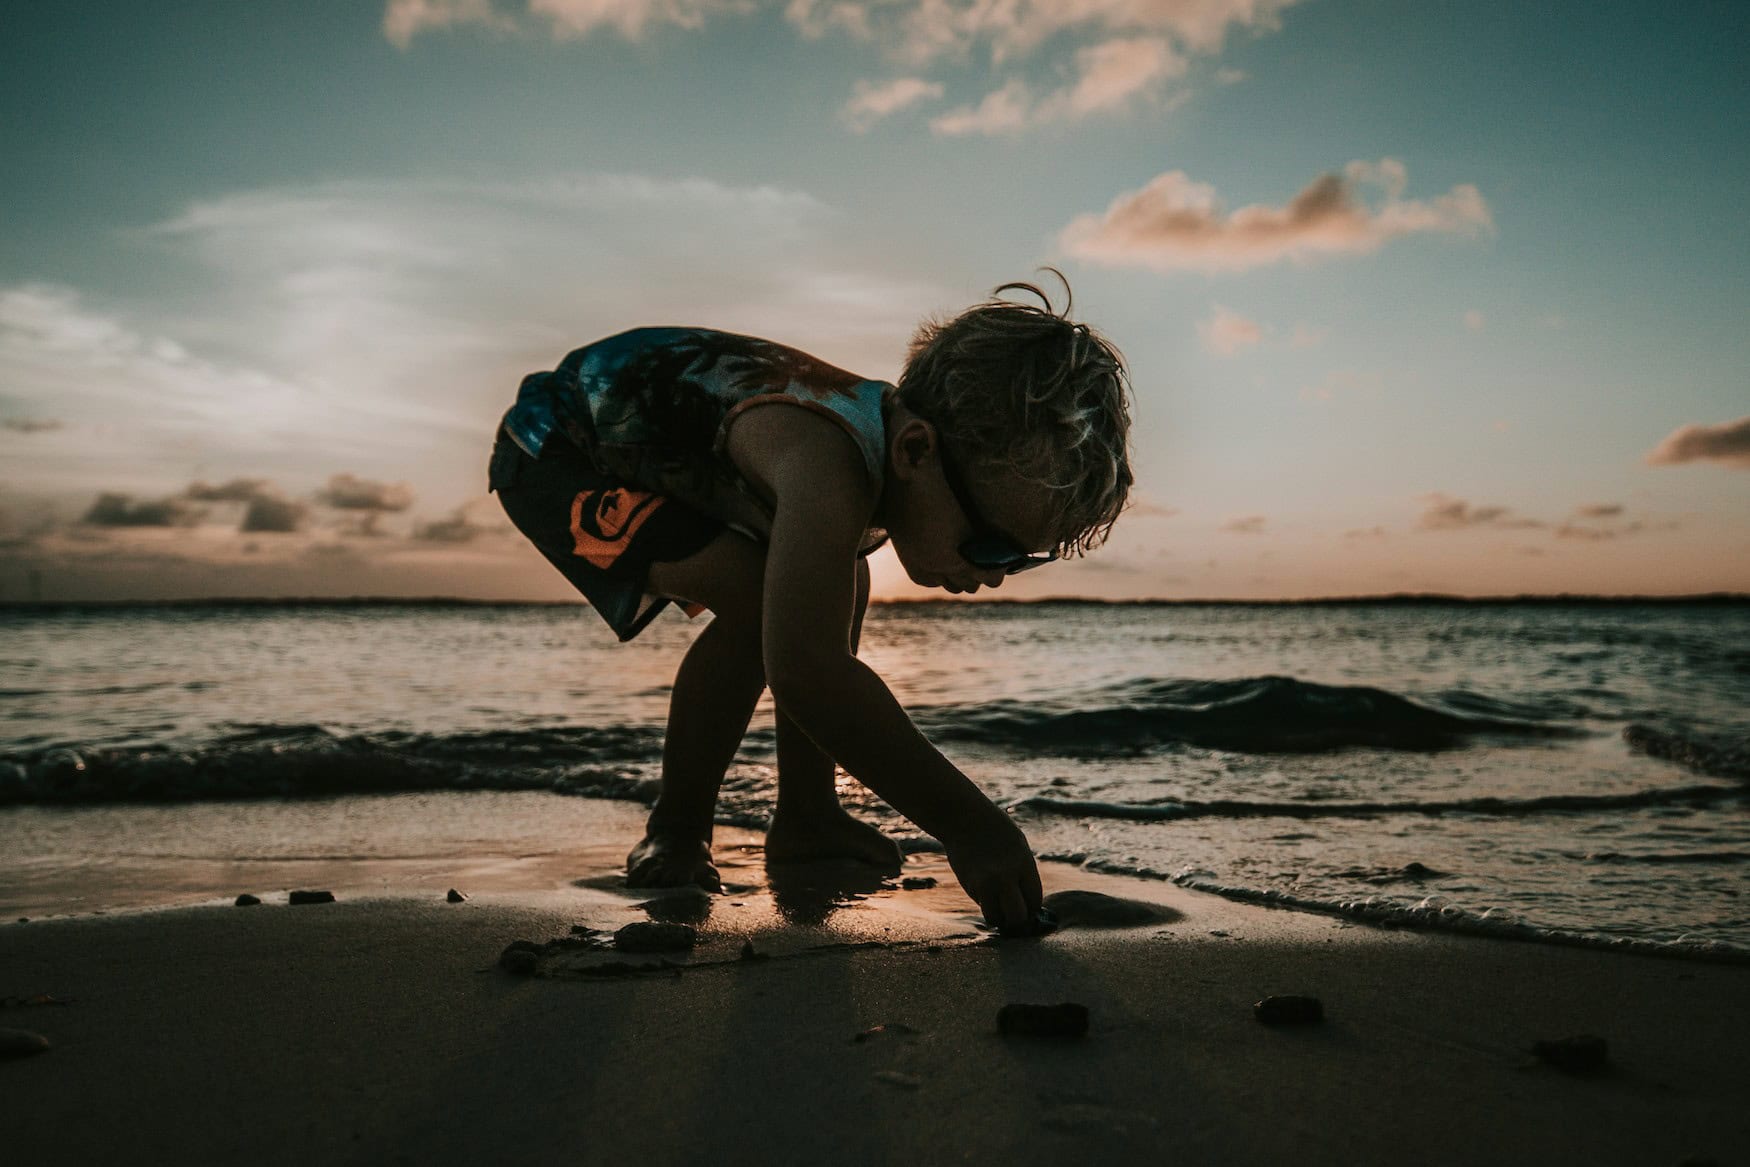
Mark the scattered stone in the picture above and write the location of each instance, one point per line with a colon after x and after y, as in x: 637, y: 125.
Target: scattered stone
x: 890, y: 1029
x: 455, y: 897
x: 520, y: 956
x: 1418, y: 870
x: 1289, y: 1010
x: 748, y: 953
x: 519, y: 961
x: 1580, y: 1054
x: 1067, y: 1019
x: 898, y: 1078
x: 917, y: 882
x: 312, y: 897
x: 20, y: 1043
x: 1092, y: 909
x: 653, y: 936
x: 24, y: 919
x: 1220, y: 932
x: 247, y: 901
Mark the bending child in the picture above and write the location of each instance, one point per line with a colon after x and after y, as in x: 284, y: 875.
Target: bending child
x: 648, y: 469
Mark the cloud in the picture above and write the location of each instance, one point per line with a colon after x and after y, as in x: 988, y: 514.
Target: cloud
x: 1727, y: 443
x: 1227, y: 332
x: 1306, y: 336
x: 236, y: 490
x: 1110, y: 77
x: 1176, y: 224
x: 562, y: 19
x: 871, y: 102
x: 1366, y: 533
x: 1475, y: 320
x: 267, y: 513
x: 31, y: 425
x: 350, y: 492
x: 120, y: 510
x: 1124, y: 50
x: 1599, y: 510
x: 1444, y: 513
x: 1246, y: 525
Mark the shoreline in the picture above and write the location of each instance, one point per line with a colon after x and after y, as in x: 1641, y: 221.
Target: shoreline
x: 382, y: 1028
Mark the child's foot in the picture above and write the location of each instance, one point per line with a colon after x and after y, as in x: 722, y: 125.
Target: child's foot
x: 672, y: 861
x: 835, y: 835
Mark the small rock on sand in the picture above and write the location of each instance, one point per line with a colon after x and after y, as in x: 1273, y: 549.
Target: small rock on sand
x: 454, y: 897
x: 520, y: 957
x: 917, y: 882
x: 1580, y: 1054
x: 1289, y: 1010
x: 247, y: 901
x: 20, y: 1043
x: 652, y: 936
x: 890, y: 1029
x: 312, y: 897
x: 1067, y: 1019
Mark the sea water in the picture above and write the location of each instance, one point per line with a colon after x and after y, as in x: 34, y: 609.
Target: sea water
x: 1554, y: 771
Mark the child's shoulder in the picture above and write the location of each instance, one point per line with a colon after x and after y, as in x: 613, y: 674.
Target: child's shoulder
x: 777, y: 449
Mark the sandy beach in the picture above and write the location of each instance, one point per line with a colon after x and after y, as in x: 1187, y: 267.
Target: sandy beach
x: 861, y: 1027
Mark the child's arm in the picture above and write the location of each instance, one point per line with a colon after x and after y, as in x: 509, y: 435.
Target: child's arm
x: 823, y: 502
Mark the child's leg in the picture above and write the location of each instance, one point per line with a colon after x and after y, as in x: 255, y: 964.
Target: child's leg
x: 715, y: 691
x: 809, y: 823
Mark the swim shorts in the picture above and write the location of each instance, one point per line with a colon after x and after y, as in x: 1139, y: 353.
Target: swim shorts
x: 601, y: 533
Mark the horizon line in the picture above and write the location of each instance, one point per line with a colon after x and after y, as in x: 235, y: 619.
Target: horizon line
x: 1712, y: 598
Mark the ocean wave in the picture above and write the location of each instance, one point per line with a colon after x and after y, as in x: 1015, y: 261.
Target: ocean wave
x: 1268, y: 714
x: 1432, y: 913
x: 1235, y: 808
x: 268, y: 761
x: 1718, y: 754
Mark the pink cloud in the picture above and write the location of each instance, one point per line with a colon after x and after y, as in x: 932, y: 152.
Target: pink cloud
x: 1177, y: 224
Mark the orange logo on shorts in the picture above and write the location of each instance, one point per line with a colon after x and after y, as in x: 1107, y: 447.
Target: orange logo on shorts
x: 604, y: 522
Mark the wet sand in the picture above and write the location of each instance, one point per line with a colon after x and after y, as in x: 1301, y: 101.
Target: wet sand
x: 383, y: 1028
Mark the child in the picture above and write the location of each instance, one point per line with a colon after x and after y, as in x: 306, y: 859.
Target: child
x: 646, y: 469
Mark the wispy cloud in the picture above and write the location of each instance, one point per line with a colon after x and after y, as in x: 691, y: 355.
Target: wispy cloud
x: 1227, y: 332
x: 1246, y: 525
x: 1177, y: 224
x: 870, y: 102
x: 1727, y: 443
x: 1445, y: 513
x: 1118, y: 53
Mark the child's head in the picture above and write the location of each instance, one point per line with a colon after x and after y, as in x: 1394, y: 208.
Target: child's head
x: 1028, y: 413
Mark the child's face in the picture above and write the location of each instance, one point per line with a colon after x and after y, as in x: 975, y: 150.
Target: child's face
x: 931, y: 523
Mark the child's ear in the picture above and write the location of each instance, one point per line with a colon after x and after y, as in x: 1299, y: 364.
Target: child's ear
x: 913, y: 445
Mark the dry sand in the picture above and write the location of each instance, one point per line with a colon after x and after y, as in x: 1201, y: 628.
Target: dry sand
x: 383, y: 1030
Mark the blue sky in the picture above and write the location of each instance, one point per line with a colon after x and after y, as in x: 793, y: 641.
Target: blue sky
x: 1432, y: 297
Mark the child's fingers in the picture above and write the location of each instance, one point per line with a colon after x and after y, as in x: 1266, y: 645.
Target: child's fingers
x: 1011, y: 907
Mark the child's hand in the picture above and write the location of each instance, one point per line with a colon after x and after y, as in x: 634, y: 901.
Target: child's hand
x: 995, y: 867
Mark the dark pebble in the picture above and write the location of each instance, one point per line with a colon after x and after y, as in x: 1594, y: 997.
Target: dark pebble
x: 889, y: 1029
x: 247, y: 901
x: 19, y: 1043
x: 455, y: 897
x: 1289, y: 1011
x: 312, y: 897
x: 748, y: 953
x: 1581, y: 1054
x: 1064, y: 1020
x: 650, y: 936
x: 518, y: 960
x: 917, y: 882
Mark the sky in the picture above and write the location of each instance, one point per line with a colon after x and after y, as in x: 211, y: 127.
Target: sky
x: 1416, y: 297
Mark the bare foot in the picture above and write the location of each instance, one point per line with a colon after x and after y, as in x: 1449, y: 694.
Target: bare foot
x: 832, y: 836
x: 672, y: 861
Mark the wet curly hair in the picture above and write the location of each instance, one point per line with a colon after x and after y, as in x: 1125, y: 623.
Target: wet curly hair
x: 1023, y: 388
